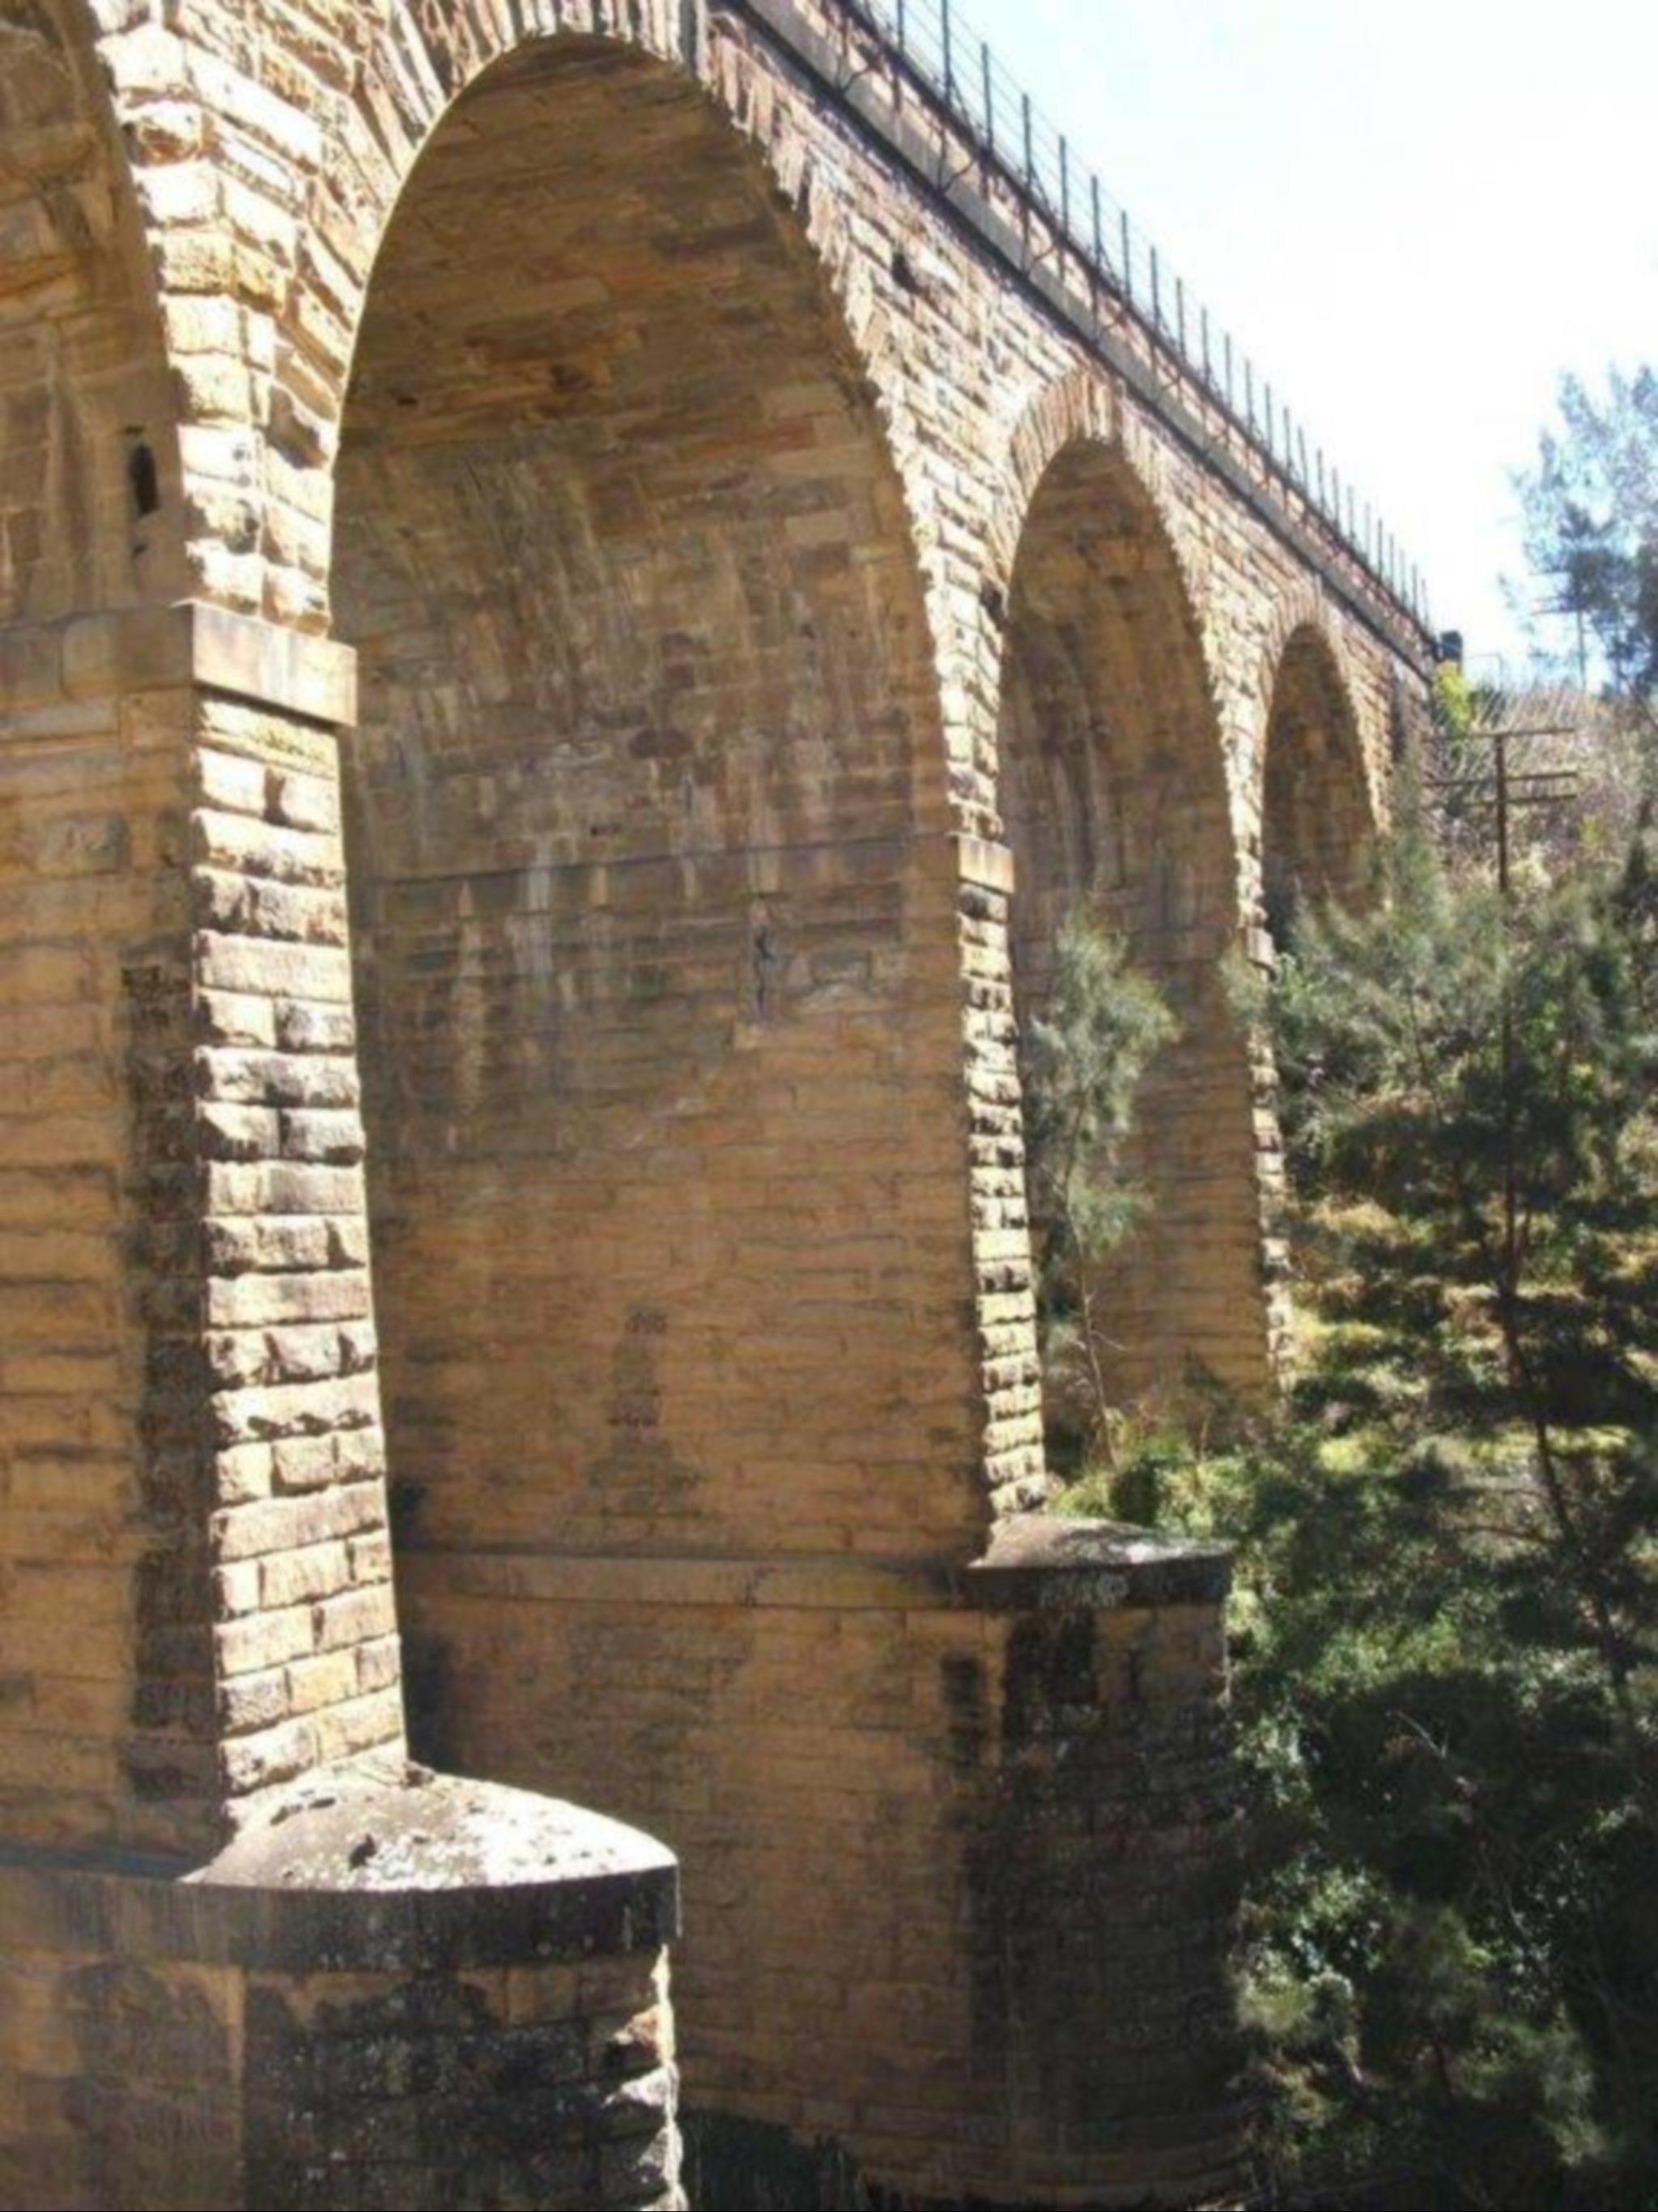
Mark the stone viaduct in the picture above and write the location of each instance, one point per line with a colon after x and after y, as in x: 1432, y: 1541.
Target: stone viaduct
x: 581, y: 581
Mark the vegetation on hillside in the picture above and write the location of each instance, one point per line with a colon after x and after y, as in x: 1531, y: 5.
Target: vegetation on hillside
x: 1446, y: 1620
x: 1446, y: 1628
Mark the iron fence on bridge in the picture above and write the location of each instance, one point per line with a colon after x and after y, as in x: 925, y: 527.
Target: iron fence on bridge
x: 936, y: 47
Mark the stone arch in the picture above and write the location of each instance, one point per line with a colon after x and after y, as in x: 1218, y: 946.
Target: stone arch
x: 1115, y: 791
x: 644, y: 817
x: 1318, y: 815
x: 90, y: 514
x: 407, y: 65
x: 1082, y: 408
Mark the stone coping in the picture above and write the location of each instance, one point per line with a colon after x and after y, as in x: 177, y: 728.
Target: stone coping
x: 1099, y: 1563
x: 351, y: 1872
x: 1033, y: 1560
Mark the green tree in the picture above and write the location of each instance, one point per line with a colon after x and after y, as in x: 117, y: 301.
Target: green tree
x: 1590, y: 507
x: 1084, y: 1055
x: 1591, y: 523
x: 1446, y: 1628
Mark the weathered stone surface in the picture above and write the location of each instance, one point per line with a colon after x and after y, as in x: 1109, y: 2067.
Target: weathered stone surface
x: 543, y: 539
x: 385, y: 1991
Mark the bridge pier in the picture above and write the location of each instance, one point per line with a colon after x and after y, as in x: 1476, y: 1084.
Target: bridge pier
x: 391, y: 1990
x: 958, y: 1840
x: 571, y: 617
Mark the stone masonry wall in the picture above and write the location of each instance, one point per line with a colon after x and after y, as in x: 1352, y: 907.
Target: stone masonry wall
x: 89, y: 464
x: 1114, y: 798
x: 647, y: 827
x: 92, y: 950
x: 957, y: 1845
x: 434, y: 1995
x: 197, y: 1564
x: 269, y: 156
x: 770, y: 566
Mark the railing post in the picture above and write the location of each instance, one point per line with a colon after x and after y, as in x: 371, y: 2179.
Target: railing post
x: 1277, y: 435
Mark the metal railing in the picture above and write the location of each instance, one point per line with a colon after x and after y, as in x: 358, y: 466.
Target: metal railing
x: 936, y: 46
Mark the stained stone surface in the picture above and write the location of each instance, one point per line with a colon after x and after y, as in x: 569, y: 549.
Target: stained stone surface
x: 353, y: 1832
x: 579, y: 590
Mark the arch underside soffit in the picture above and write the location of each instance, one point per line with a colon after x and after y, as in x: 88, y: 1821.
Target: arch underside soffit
x: 1318, y: 829
x: 652, y: 1012
x: 1115, y: 795
x: 1113, y: 782
x: 88, y: 458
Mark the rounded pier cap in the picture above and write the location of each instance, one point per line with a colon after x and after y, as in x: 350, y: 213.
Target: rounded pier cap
x: 358, y: 1831
x: 1108, y: 1564
x: 357, y: 1868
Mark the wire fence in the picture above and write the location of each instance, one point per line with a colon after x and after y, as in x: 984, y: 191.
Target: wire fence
x: 936, y: 46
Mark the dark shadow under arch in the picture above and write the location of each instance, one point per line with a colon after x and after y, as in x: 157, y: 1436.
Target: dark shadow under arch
x: 656, y: 1045
x: 1114, y: 792
x: 1318, y: 832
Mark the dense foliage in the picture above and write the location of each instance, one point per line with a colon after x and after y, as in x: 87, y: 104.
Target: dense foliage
x: 1446, y: 1621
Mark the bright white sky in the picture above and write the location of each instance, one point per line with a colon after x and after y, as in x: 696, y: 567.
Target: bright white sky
x: 1415, y: 214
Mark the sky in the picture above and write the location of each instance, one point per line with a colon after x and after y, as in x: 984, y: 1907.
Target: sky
x: 1415, y: 215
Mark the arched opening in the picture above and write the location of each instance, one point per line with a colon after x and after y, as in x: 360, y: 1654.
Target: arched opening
x: 88, y: 451
x: 1318, y: 838
x: 1114, y: 793
x: 656, y: 1035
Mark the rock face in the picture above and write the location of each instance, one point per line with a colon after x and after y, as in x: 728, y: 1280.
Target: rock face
x: 580, y: 586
